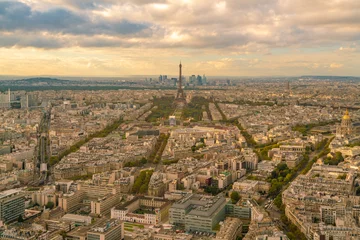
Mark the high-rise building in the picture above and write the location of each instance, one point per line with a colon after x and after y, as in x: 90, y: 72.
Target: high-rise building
x: 192, y: 79
x: 12, y: 205
x: 204, y: 80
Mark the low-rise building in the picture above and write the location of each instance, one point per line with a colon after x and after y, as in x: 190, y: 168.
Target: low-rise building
x: 111, y: 230
x: 230, y: 229
x: 146, y: 210
x: 103, y: 205
x: 198, y: 212
x: 79, y: 220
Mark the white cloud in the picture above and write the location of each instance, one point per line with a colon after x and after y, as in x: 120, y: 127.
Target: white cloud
x: 222, y: 35
x: 336, y: 65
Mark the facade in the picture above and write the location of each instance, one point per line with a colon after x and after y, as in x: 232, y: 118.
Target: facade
x: 293, y: 148
x: 231, y: 228
x: 240, y: 210
x: 71, y: 202
x: 95, y: 191
x: 172, y: 236
x: 198, y: 212
x: 103, y: 205
x: 157, y: 186
x: 146, y: 210
x: 12, y: 205
x: 44, y: 197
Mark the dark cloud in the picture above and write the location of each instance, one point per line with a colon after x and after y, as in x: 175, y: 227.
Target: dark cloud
x: 227, y: 24
x: 19, y: 16
x: 92, y: 4
x: 26, y: 40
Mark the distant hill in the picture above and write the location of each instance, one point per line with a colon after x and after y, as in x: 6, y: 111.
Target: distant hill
x: 331, y: 77
x: 40, y: 80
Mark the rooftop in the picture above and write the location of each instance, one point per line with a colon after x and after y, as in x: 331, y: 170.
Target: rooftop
x: 8, y: 193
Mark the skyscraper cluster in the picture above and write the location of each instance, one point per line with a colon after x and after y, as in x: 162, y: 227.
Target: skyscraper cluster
x: 197, y: 80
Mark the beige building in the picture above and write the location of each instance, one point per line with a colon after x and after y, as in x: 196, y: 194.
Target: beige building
x: 230, y: 229
x: 146, y: 210
x: 72, y: 201
x: 95, y: 191
x: 103, y: 205
x: 44, y: 196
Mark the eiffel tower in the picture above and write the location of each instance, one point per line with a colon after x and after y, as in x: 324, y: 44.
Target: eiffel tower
x: 180, y: 96
x: 180, y: 93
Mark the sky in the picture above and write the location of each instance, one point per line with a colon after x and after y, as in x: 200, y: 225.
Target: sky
x: 112, y: 38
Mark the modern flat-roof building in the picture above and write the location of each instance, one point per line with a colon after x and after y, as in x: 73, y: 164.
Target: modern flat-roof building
x: 146, y: 210
x: 111, y: 230
x: 102, y: 206
x: 12, y: 205
x: 198, y: 212
x: 79, y: 220
x: 71, y: 202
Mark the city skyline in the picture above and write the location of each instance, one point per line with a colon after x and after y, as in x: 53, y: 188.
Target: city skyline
x: 225, y: 38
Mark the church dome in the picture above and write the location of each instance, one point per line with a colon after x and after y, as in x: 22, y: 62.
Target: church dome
x: 346, y: 116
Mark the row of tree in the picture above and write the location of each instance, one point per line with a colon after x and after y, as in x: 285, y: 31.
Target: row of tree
x: 100, y: 134
x: 162, y: 109
x: 196, y: 108
x: 141, y: 183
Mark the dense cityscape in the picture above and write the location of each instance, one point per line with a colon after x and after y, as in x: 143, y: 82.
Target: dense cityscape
x: 179, y: 120
x: 217, y: 159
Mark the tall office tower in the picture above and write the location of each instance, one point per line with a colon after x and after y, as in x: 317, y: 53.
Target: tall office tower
x: 192, y: 79
x: 12, y: 205
x: 204, y: 80
x: 199, y: 80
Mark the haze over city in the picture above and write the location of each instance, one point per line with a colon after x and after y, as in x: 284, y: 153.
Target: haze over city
x: 179, y: 120
x: 108, y: 38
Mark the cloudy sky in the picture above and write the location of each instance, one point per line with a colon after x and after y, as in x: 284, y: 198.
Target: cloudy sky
x: 213, y: 37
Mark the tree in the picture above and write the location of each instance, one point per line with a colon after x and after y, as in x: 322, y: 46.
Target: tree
x: 50, y: 205
x: 278, y: 201
x: 338, y: 157
x: 235, y: 197
x: 288, y: 177
x: 282, y: 166
x: 20, y: 218
x: 193, y: 148
x: 143, y: 189
x: 358, y: 191
x: 143, y: 161
x: 63, y: 234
